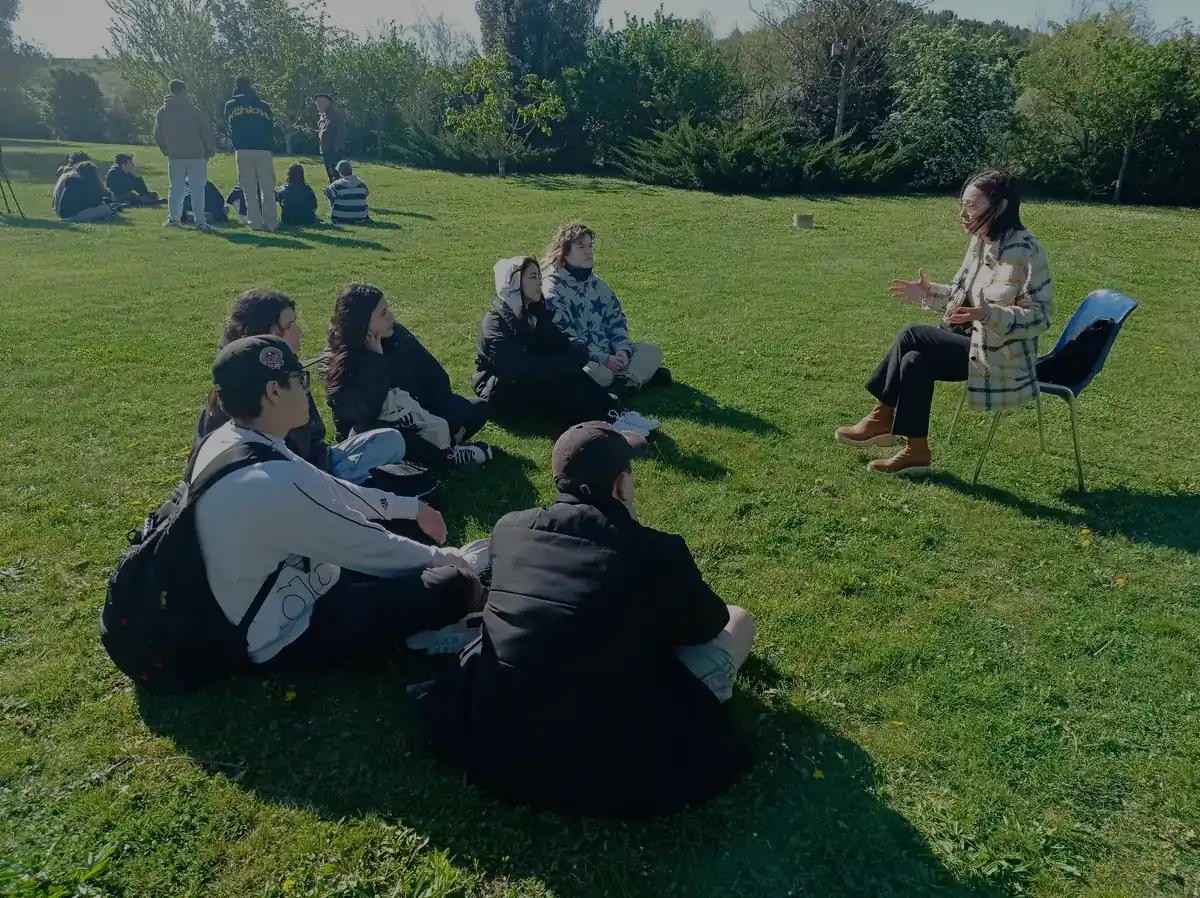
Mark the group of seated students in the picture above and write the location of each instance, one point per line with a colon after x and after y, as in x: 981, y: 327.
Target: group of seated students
x: 602, y: 660
x: 80, y: 196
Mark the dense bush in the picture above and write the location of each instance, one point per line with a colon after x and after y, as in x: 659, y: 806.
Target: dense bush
x: 760, y: 157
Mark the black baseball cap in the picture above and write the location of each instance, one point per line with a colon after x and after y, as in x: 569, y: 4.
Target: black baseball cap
x: 244, y: 367
x: 590, y: 457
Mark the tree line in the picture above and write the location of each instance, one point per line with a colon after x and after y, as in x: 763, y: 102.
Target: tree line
x: 826, y: 95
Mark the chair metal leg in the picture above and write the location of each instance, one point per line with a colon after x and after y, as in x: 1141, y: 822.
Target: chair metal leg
x: 962, y: 403
x: 987, y: 445
x: 1075, y: 437
x: 1041, y: 427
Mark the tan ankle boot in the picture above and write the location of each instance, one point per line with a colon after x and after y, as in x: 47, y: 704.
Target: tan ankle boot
x: 914, y: 458
x: 873, y: 430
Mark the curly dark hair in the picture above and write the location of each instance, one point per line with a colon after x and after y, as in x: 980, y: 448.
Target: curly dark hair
x: 254, y: 313
x: 348, y: 332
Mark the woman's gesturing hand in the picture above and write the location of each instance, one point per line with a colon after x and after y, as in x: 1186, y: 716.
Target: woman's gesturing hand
x: 373, y: 342
x: 912, y: 291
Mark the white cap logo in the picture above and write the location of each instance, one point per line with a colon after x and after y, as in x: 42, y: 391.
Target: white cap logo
x: 271, y: 357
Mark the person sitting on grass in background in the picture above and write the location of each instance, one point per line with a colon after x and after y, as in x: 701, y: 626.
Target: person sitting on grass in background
x: 598, y: 683
x: 586, y: 308
x: 215, y: 210
x: 347, y: 197
x: 81, y: 198
x: 297, y: 200
x: 345, y: 590
x: 237, y: 202
x: 64, y: 170
x: 272, y: 313
x: 127, y: 185
x: 525, y: 366
x: 377, y: 374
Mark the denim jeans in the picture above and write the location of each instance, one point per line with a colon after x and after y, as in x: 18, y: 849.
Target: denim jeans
x: 353, y: 459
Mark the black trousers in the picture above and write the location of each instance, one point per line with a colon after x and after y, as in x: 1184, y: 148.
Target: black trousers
x: 563, y: 401
x: 921, y: 356
x: 363, y: 619
x: 331, y: 160
x: 461, y: 413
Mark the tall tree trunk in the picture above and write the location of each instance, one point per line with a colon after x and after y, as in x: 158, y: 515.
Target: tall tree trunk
x: 1125, y: 161
x: 502, y: 166
x: 287, y: 142
x: 848, y: 60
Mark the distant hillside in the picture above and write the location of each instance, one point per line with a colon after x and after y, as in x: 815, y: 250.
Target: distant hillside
x: 103, y: 70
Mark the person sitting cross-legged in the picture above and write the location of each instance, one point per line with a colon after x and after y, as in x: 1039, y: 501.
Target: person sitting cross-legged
x: 588, y: 310
x: 127, y: 185
x: 297, y: 200
x: 347, y: 197
x: 527, y: 367
x: 598, y: 683
x: 270, y: 312
x: 344, y: 588
x: 377, y: 374
x: 80, y: 197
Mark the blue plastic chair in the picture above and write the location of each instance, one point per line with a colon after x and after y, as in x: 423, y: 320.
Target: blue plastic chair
x: 1099, y: 305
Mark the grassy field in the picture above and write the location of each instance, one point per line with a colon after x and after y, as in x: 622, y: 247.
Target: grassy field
x: 957, y: 691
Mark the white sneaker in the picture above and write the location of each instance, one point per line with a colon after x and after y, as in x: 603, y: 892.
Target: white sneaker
x: 622, y: 422
x: 170, y: 223
x: 471, y: 454
x: 478, y: 555
x: 642, y: 420
x: 447, y: 641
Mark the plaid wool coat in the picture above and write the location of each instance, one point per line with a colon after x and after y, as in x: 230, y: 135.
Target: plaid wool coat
x: 1011, y: 275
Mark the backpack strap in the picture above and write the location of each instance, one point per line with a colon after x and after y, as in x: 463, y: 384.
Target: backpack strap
x: 243, y: 455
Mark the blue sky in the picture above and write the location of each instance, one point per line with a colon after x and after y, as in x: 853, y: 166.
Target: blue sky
x: 79, y: 27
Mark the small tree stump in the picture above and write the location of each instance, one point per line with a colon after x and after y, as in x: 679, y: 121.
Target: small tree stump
x: 804, y: 222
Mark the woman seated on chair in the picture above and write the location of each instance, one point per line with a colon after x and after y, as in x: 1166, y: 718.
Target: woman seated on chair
x: 993, y: 311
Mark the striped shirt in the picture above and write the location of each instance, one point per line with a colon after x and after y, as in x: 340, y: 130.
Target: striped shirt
x: 1011, y: 275
x: 347, y: 200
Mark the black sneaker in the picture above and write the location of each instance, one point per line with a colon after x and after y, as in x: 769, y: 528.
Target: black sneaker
x: 662, y: 378
x: 470, y: 454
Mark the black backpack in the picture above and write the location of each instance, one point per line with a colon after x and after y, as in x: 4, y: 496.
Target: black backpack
x: 161, y: 624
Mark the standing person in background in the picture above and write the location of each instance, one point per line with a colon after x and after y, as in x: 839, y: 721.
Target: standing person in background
x: 185, y: 136
x: 331, y: 134
x: 252, y: 129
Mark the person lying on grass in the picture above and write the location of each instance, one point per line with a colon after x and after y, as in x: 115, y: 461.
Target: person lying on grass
x: 587, y: 310
x: 598, y: 683
x: 527, y: 367
x: 270, y: 312
x: 347, y: 197
x: 345, y: 589
x: 993, y: 311
x: 80, y: 197
x: 127, y: 185
x: 297, y: 200
x: 377, y: 374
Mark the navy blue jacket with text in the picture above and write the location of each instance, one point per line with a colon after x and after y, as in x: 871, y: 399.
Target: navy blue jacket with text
x: 251, y: 124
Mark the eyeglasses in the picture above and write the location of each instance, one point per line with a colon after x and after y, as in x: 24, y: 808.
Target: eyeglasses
x: 304, y: 377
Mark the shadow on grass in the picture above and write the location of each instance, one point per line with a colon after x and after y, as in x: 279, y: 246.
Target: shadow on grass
x: 806, y: 820
x: 257, y: 238
x: 666, y: 451
x: 43, y: 224
x: 484, y: 495
x: 682, y: 400
x: 33, y: 167
x: 1170, y: 520
x: 584, y: 184
x: 424, y: 216
x: 327, y: 234
x: 376, y: 225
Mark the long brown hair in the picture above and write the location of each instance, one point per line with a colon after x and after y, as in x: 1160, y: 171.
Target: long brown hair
x: 348, y: 332
x: 555, y: 257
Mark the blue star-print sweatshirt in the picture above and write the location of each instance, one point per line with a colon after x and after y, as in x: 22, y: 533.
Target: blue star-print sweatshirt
x: 588, y: 312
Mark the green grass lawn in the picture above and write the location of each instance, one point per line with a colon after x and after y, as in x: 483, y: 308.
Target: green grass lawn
x: 956, y: 691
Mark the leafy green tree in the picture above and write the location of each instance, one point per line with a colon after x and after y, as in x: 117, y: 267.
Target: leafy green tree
x: 20, y: 113
x: 543, y: 36
x: 281, y: 47
x: 954, y: 101
x: 154, y: 41
x: 77, y: 106
x: 1095, y: 88
x: 499, y: 113
x: 646, y: 77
